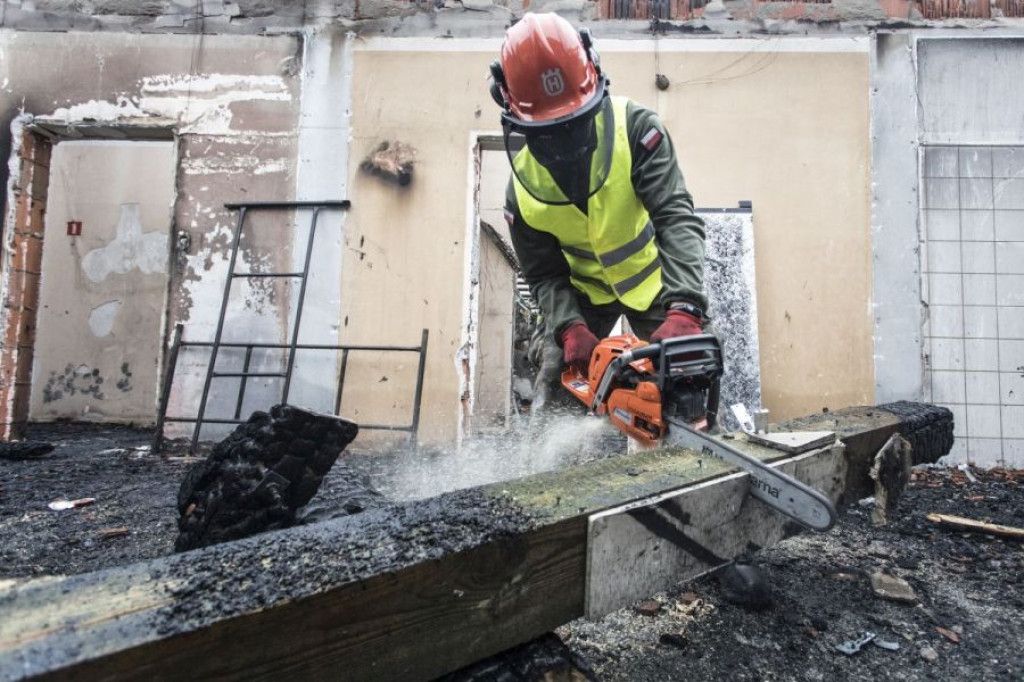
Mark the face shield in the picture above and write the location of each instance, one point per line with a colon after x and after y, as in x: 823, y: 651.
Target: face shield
x: 575, y: 154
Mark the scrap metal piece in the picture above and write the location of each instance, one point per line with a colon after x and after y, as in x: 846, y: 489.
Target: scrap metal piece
x: 855, y: 645
x: 887, y: 645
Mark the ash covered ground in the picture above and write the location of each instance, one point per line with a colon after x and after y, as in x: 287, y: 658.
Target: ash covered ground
x: 968, y: 623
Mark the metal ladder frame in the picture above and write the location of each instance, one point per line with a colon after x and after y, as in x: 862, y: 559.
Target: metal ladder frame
x: 218, y: 343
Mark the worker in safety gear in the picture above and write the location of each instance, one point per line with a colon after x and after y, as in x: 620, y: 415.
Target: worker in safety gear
x: 598, y: 211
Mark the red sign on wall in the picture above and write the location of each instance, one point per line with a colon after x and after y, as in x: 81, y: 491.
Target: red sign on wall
x: 74, y: 228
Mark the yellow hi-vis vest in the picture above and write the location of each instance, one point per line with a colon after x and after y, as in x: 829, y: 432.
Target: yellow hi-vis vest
x: 611, y: 249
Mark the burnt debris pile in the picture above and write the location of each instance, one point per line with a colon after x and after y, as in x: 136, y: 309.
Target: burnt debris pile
x: 259, y: 477
x: 928, y: 428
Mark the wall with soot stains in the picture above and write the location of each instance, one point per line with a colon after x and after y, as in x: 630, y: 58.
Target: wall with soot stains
x: 231, y: 105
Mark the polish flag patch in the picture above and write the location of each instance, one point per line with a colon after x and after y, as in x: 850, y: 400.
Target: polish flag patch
x: 509, y: 218
x: 651, y: 139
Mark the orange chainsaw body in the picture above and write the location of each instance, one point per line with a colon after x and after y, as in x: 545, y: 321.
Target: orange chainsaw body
x: 635, y: 401
x: 635, y: 411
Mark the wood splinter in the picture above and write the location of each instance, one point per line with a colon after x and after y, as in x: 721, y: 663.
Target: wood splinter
x: 961, y: 523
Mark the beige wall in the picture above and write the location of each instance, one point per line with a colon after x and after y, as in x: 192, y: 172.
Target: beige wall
x: 786, y: 129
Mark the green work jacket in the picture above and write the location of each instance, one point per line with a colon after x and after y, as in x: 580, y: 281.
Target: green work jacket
x: 658, y: 185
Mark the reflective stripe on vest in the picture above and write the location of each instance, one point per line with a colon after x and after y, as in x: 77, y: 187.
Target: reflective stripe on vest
x: 611, y: 251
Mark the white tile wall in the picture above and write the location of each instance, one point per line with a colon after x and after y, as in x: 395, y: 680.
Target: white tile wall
x: 1011, y: 385
x: 945, y: 257
x: 1009, y: 193
x: 1007, y: 162
x: 1009, y: 257
x: 949, y: 387
x: 978, y: 257
x: 945, y: 193
x: 976, y: 194
x: 1011, y: 322
x: 944, y: 289
x: 975, y: 162
x: 980, y: 355
x: 948, y: 320
x: 983, y: 421
x: 1011, y: 290
x: 979, y: 289
x: 983, y: 389
x: 985, y: 452
x: 1008, y: 226
x: 948, y: 354
x: 1013, y: 421
x: 972, y: 264
x: 981, y: 322
x: 1011, y: 355
x: 977, y: 225
x: 942, y: 162
x: 944, y: 224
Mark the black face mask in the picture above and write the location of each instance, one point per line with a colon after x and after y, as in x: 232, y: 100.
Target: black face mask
x: 564, y: 145
x: 567, y: 151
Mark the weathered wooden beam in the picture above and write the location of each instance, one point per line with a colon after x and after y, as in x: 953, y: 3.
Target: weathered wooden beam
x: 407, y: 592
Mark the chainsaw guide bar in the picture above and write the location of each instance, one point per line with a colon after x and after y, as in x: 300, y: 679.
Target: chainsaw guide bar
x: 780, y: 491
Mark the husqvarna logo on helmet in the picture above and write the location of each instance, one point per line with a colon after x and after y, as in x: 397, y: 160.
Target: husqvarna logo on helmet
x: 553, y: 82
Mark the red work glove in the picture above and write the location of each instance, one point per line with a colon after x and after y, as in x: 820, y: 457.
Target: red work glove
x: 578, y: 344
x: 677, y: 323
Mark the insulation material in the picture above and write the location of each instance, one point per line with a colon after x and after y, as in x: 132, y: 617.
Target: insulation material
x: 730, y: 285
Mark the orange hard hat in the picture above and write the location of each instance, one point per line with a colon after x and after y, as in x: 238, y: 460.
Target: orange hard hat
x: 549, y: 72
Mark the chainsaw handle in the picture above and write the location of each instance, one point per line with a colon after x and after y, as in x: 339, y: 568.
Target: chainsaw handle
x: 651, y: 350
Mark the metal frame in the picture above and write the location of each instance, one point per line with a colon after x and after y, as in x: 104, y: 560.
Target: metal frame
x: 216, y: 344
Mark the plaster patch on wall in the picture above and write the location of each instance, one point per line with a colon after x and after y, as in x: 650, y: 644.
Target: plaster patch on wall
x: 248, y: 163
x: 102, y: 317
x: 130, y: 249
x: 202, y: 103
x: 198, y: 104
x: 99, y: 110
x: 212, y: 83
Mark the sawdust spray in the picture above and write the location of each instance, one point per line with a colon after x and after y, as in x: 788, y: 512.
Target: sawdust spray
x: 529, y: 447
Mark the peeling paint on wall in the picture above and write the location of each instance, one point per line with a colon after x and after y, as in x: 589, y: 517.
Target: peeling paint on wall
x: 102, y: 317
x: 197, y: 103
x: 130, y: 249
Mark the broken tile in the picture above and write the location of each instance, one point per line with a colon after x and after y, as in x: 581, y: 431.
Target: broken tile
x: 890, y: 587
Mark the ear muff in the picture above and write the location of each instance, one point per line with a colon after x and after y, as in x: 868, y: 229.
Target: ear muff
x: 588, y: 46
x: 498, y: 92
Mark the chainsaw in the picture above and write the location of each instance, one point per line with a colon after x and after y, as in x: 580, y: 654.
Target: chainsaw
x: 668, y: 393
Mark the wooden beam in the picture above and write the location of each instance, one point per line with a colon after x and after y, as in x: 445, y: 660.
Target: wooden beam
x: 408, y: 592
x: 644, y: 547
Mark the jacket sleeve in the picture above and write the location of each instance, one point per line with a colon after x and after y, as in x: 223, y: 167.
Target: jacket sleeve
x: 544, y: 269
x: 659, y: 184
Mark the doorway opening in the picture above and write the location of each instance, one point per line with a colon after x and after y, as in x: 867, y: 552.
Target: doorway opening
x: 88, y: 311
